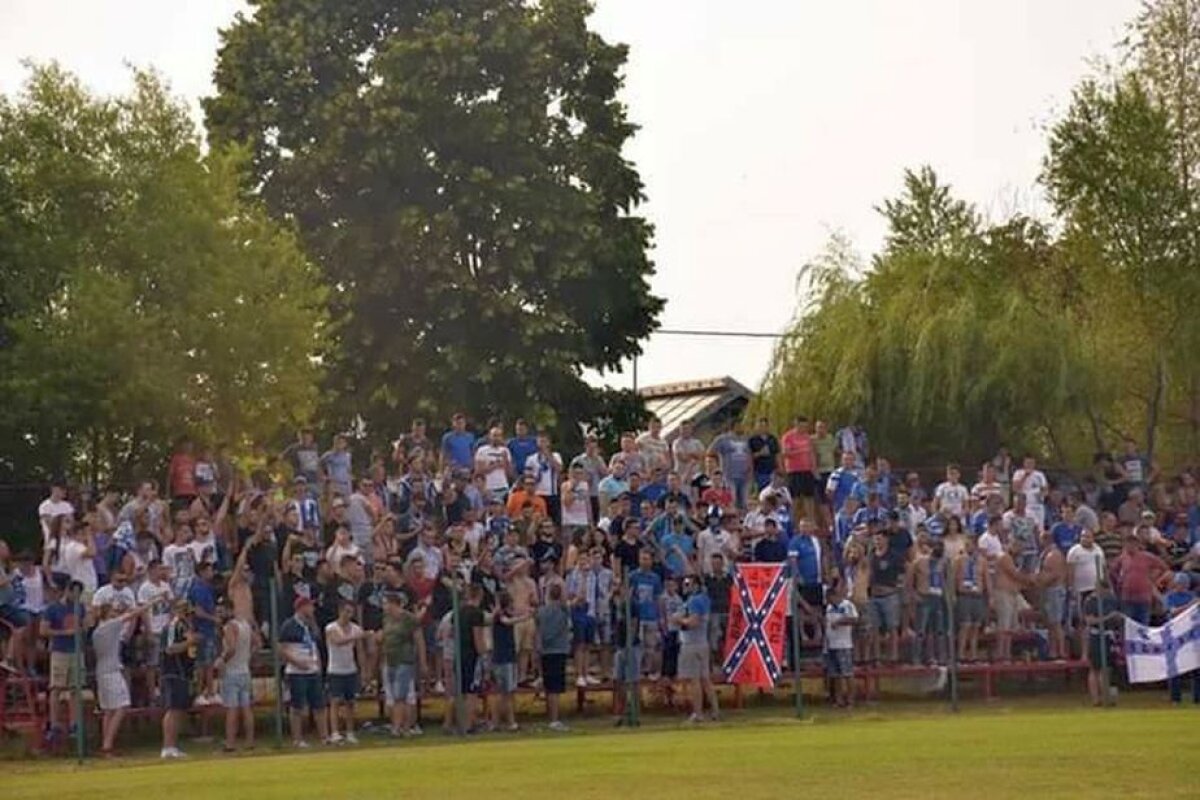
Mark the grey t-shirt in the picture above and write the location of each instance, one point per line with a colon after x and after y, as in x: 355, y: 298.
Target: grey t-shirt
x: 106, y: 641
x: 554, y: 629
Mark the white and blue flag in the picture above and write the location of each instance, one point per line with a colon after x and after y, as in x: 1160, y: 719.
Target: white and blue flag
x: 1156, y: 654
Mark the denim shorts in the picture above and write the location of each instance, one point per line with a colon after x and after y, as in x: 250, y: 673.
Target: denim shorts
x: 504, y: 678
x: 885, y: 612
x: 306, y: 692
x: 206, y: 650
x: 839, y: 663
x: 931, y: 615
x: 343, y: 687
x: 401, y: 683
x: 1054, y: 604
x: 235, y: 690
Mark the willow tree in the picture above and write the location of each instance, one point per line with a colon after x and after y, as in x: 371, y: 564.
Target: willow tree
x: 954, y: 341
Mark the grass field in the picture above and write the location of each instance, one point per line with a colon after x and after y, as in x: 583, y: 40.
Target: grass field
x: 1030, y: 751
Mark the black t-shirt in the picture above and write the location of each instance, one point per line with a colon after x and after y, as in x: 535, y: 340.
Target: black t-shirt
x: 764, y: 465
x: 327, y: 603
x: 886, y: 569
x: 543, y: 550
x: 262, y: 560
x: 770, y: 551
x: 282, y: 534
x: 627, y: 554
x: 504, y: 644
x: 370, y: 600
x: 718, y: 592
x: 469, y: 618
x: 489, y: 583
x: 455, y: 510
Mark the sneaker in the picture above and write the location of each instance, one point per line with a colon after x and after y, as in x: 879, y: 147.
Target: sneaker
x: 173, y: 752
x: 581, y: 682
x: 439, y: 688
x: 415, y: 730
x: 558, y: 726
x: 512, y: 728
x: 695, y: 719
x: 592, y: 681
x: 335, y: 738
x: 300, y: 744
x: 653, y: 676
x: 351, y: 738
x: 201, y: 701
x: 536, y: 683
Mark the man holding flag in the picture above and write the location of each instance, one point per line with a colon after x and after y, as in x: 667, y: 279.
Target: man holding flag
x: 1169, y: 652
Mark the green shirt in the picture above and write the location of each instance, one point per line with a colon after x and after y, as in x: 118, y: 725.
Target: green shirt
x: 400, y: 641
x: 823, y: 446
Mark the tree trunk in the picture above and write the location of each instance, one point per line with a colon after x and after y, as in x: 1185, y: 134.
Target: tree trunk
x: 1097, y: 434
x: 1154, y: 407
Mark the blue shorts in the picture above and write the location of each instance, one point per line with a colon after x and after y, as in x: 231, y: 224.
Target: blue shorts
x: 583, y: 629
x: 400, y: 683
x: 235, y: 690
x: 504, y: 678
x: 343, y: 687
x: 15, y: 616
x: 627, y: 668
x: 306, y: 692
x: 206, y: 650
x: 884, y: 612
x: 839, y: 663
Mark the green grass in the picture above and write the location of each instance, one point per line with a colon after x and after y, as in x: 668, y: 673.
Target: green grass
x: 1024, y: 750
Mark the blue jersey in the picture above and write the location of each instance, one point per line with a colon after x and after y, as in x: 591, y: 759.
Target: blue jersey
x: 842, y: 483
x: 521, y: 448
x: 1065, y: 535
x: 459, y: 448
x: 804, y: 554
x: 698, y: 605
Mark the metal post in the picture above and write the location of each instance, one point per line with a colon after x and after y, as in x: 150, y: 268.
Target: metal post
x: 80, y: 664
x: 633, y: 670
x: 275, y: 665
x: 799, y: 690
x: 635, y: 375
x: 952, y: 652
x: 459, y: 700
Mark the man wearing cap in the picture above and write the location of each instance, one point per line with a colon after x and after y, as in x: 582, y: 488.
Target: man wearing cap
x: 178, y: 647
x: 298, y: 646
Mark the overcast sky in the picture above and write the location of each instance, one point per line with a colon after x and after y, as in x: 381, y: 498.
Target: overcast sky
x: 766, y: 124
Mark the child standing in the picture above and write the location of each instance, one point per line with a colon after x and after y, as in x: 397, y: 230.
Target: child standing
x: 841, y: 616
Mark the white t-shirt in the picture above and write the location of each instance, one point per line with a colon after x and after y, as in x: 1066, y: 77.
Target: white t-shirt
x: 50, y: 508
x: 547, y: 474
x: 1085, y: 566
x: 158, y: 596
x: 341, y: 656
x: 181, y: 561
x: 120, y: 599
x: 840, y: 637
x: 204, y: 551
x: 1034, y: 490
x: 577, y: 506
x: 488, y: 456
x: 683, y: 450
x: 78, y: 565
x: 654, y: 450
x: 991, y: 546
x: 708, y: 542
x: 952, y: 497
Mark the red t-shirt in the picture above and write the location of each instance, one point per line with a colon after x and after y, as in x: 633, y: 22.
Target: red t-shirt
x: 183, y: 475
x: 797, y: 452
x: 1135, y: 573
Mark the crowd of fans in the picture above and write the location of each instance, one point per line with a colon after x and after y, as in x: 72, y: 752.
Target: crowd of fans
x: 482, y: 562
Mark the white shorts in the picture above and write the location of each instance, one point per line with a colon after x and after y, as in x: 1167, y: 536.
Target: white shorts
x: 112, y: 691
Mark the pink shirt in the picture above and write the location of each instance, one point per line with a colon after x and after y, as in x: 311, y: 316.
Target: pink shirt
x: 797, y: 452
x: 1135, y: 573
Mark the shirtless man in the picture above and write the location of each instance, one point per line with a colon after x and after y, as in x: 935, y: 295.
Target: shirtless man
x: 1052, y: 578
x: 971, y: 583
x: 1006, y: 598
x: 523, y: 590
x: 929, y: 581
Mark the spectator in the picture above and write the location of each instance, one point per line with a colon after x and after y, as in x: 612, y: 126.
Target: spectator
x: 972, y: 585
x: 458, y: 444
x: 403, y: 647
x: 1177, y: 602
x: 887, y: 572
x: 237, y: 639
x: 1102, y: 616
x: 545, y: 466
x: 65, y: 620
x: 112, y: 689
x: 1136, y: 572
x: 302, y: 669
x: 688, y: 453
x: 732, y: 449
x: 647, y: 588
x: 554, y: 643
x: 343, y: 638
x: 695, y: 665
x: 655, y: 452
x: 1052, y: 580
x: 841, y: 617
x: 178, y: 647
x: 764, y: 450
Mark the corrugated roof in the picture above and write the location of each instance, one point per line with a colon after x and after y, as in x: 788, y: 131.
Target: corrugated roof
x: 674, y: 403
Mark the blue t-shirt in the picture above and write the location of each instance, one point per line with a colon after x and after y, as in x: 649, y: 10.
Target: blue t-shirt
x: 670, y: 540
x: 458, y: 446
x: 698, y: 605
x: 202, y: 596
x: 734, y: 452
x: 843, y: 482
x: 60, y: 616
x: 805, y: 555
x: 521, y: 448
x: 647, y: 587
x: 1065, y: 535
x: 653, y: 492
x: 337, y: 467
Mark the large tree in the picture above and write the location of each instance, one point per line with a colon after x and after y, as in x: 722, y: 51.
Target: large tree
x: 142, y: 296
x: 456, y: 167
